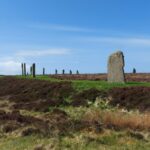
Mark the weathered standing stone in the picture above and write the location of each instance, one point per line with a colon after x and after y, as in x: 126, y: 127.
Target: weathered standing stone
x: 116, y: 67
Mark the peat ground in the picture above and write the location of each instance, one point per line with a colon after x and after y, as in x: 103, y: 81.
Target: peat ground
x: 39, y: 95
x: 57, y: 109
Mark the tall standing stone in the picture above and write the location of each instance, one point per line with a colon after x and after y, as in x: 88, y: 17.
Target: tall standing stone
x: 33, y: 70
x: 56, y: 71
x: 43, y: 71
x: 24, y: 68
x: 116, y: 67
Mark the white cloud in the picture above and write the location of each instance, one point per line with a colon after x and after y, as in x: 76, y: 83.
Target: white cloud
x: 116, y: 40
x: 9, y: 67
x: 39, y: 53
x: 110, y: 39
x: 60, y: 28
x: 133, y: 41
x: 12, y: 65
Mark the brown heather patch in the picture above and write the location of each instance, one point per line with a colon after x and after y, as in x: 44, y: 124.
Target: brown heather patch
x: 82, y: 98
x: 35, y: 95
x: 127, y: 121
x: 119, y: 120
x: 27, y: 90
x: 131, y: 97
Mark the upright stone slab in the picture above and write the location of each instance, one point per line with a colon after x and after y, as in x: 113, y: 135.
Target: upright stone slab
x: 116, y: 67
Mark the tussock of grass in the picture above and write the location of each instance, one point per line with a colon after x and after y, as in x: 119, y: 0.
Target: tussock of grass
x: 120, y: 120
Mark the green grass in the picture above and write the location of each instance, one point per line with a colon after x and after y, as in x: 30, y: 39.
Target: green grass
x: 83, y: 85
x: 40, y: 77
x: 111, y: 140
x: 80, y: 85
x: 22, y: 143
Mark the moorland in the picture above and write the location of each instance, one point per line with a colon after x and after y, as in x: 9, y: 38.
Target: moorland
x: 74, y: 112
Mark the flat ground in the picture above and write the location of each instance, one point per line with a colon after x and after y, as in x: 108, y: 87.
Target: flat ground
x: 138, y: 77
x: 74, y: 112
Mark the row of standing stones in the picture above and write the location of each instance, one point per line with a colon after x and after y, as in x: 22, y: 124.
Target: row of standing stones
x: 33, y: 70
x: 115, y: 68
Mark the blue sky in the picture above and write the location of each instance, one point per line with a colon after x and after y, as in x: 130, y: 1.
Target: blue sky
x: 73, y: 34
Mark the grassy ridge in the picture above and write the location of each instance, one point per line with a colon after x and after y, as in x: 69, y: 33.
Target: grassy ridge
x: 86, y: 84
